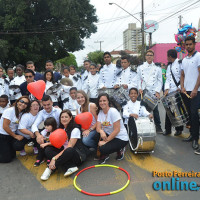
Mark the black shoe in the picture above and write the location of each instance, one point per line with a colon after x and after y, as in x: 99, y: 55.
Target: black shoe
x: 120, y: 154
x: 159, y: 130
x: 197, y: 152
x: 178, y: 133
x: 166, y: 133
x: 188, y: 139
x: 195, y: 144
x: 103, y: 159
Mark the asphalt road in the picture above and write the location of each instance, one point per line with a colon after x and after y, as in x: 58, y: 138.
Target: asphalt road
x: 20, y: 180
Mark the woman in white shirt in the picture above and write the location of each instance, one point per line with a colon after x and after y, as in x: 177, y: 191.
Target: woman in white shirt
x: 49, y: 80
x: 112, y: 132
x: 72, y: 154
x: 89, y: 135
x: 8, y: 126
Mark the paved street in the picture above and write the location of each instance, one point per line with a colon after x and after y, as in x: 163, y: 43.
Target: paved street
x: 20, y: 180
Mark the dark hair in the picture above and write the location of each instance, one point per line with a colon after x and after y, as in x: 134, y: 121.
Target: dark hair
x: 133, y: 89
x: 29, y: 71
x: 149, y: 51
x: 86, y: 61
x: 49, y: 61
x: 172, y: 53
x: 106, y: 53
x: 101, y: 95
x: 190, y: 38
x: 3, y: 96
x: 29, y: 62
x: 67, y: 68
x: 46, y: 98
x: 72, y: 88
x: 35, y: 100
x: 125, y: 57
x: 52, y: 77
x: 72, y: 67
x: 84, y: 107
x: 25, y: 110
x: 9, y: 68
x: 20, y: 66
x: 93, y: 64
x: 71, y: 124
x: 50, y: 121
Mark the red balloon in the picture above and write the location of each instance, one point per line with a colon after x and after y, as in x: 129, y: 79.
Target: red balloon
x: 84, y: 119
x: 58, y: 138
x: 37, y: 89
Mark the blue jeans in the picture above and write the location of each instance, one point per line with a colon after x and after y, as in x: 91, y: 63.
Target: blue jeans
x: 90, y: 140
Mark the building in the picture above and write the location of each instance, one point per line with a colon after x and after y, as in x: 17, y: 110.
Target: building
x: 160, y: 51
x: 132, y: 37
x: 198, y: 33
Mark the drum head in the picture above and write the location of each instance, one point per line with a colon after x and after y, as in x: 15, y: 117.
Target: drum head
x: 133, y: 136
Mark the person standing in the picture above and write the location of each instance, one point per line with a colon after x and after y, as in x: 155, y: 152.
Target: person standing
x: 190, y: 85
x: 150, y: 78
x: 172, y: 84
x: 85, y: 74
x: 108, y: 72
x: 31, y: 65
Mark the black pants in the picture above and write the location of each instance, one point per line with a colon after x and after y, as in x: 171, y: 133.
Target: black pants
x: 156, y: 116
x: 7, y: 151
x: 69, y: 158
x: 168, y: 125
x: 113, y: 146
x: 192, y: 106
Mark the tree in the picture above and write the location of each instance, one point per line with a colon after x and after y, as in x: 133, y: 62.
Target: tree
x: 39, y: 30
x: 96, y: 57
x: 67, y: 61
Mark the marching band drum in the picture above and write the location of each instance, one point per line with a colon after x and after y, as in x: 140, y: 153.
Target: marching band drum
x: 144, y: 139
x: 175, y: 108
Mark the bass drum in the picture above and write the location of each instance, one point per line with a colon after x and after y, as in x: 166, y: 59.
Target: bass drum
x: 142, y: 135
x: 175, y: 109
x: 109, y: 91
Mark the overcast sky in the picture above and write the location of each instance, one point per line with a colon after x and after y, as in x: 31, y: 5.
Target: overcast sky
x: 113, y: 21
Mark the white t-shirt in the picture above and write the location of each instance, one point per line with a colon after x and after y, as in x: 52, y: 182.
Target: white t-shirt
x: 26, y: 122
x: 109, y: 119
x: 14, y: 121
x: 190, y: 66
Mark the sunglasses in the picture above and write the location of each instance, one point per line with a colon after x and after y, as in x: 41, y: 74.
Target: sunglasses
x: 149, y: 55
x: 22, y: 101
x: 28, y: 76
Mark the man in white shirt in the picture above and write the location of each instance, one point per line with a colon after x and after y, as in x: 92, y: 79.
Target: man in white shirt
x: 126, y: 77
x: 48, y: 111
x: 150, y: 78
x: 172, y: 84
x: 108, y: 72
x: 190, y: 85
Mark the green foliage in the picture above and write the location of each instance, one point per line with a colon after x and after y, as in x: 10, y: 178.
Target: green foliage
x: 96, y: 57
x: 69, y: 60
x: 40, y: 30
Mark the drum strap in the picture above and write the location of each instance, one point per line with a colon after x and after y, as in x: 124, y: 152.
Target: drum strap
x: 177, y: 84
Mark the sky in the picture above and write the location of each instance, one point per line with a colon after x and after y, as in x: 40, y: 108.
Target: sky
x: 112, y: 21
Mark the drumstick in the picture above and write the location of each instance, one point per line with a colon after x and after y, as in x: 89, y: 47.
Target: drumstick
x: 141, y: 96
x: 188, y: 96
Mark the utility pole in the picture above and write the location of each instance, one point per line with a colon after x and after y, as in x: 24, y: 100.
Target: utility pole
x: 142, y: 29
x: 180, y: 23
x: 99, y: 43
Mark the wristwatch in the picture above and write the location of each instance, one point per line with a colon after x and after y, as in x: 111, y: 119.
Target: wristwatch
x: 54, y: 158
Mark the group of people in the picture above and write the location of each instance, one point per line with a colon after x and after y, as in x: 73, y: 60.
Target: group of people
x: 21, y: 123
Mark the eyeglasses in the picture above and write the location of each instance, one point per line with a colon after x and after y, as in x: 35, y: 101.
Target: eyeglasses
x: 149, y: 55
x: 28, y: 76
x: 106, y: 56
x: 22, y: 101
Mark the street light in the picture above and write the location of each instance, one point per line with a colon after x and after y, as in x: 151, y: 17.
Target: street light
x: 141, y: 23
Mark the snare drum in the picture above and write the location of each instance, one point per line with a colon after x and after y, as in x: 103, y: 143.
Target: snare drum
x: 150, y: 101
x: 175, y: 109
x: 121, y: 95
x: 142, y: 135
x: 109, y: 91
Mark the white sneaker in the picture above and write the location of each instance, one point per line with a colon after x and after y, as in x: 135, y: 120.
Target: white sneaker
x: 22, y: 152
x: 70, y: 171
x: 30, y: 144
x: 35, y: 150
x: 47, y: 173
